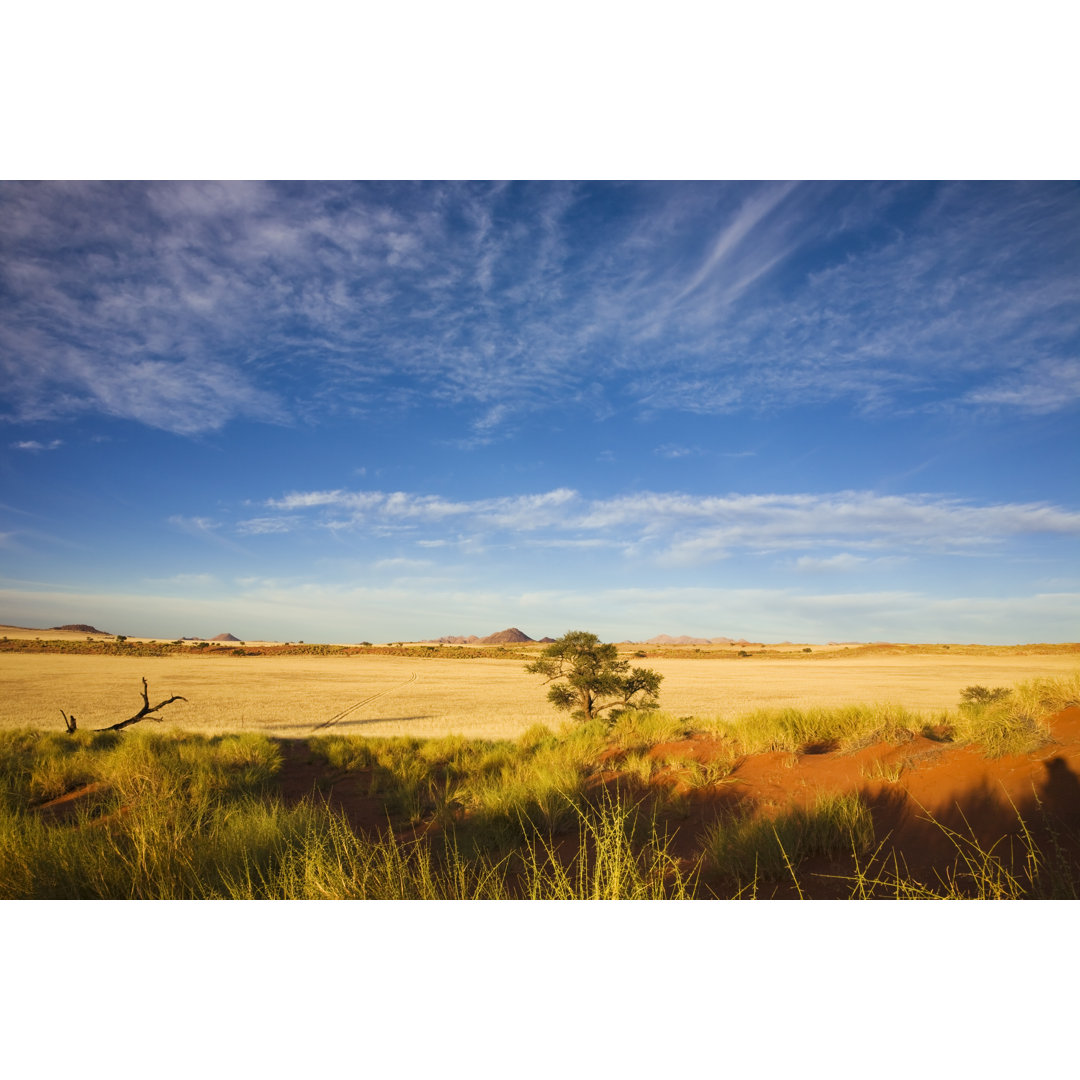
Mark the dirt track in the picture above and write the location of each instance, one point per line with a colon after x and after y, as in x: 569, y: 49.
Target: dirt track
x: 361, y: 703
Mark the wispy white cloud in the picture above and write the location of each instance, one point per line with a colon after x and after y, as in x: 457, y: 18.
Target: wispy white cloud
x: 184, y: 397
x: 685, y: 529
x: 673, y: 451
x: 33, y: 445
x: 196, y: 525
x: 1044, y: 387
x: 186, y: 306
x: 746, y: 219
x: 262, y: 526
x: 845, y: 561
x: 204, y: 528
x: 524, y: 512
x: 975, y: 285
x: 302, y: 500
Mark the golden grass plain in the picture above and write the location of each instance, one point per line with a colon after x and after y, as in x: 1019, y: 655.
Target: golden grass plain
x: 290, y: 696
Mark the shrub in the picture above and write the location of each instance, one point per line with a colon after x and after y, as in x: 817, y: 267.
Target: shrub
x: 981, y: 695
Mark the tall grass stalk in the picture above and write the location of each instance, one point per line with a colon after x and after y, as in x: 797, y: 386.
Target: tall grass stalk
x: 618, y: 857
x: 746, y: 849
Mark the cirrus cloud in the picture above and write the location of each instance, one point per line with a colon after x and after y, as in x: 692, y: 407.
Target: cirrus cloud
x: 188, y: 306
x: 685, y: 529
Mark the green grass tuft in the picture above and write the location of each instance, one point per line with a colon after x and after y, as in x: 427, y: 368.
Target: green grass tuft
x: 747, y: 849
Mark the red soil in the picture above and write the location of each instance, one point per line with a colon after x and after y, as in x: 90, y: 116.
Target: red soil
x: 988, y: 800
x: 302, y: 777
x: 940, y: 787
x: 64, y: 807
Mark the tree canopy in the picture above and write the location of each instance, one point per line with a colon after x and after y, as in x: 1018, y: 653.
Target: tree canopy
x: 589, y: 678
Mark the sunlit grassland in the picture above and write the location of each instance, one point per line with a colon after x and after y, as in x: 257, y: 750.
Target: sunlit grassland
x: 186, y: 817
x: 286, y: 697
x: 1013, y: 723
x: 566, y: 814
x: 481, y: 698
x: 168, y: 814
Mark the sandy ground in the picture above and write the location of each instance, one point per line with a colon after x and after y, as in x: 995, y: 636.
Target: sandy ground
x: 394, y: 695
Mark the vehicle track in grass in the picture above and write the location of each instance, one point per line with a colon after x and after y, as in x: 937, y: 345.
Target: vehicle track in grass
x: 364, y: 701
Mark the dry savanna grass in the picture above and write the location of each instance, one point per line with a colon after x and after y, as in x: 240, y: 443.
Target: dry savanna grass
x: 290, y: 696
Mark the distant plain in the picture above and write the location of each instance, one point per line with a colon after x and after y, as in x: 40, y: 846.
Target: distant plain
x: 379, y: 695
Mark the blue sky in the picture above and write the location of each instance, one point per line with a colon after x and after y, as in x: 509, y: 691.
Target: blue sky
x: 384, y: 411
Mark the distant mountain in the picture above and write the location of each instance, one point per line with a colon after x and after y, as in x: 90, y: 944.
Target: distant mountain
x: 81, y: 628
x: 513, y: 636
x: 224, y: 637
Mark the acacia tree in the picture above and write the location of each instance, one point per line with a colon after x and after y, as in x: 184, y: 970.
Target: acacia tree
x: 592, y: 678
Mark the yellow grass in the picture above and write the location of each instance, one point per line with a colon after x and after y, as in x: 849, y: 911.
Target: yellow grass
x: 393, y: 695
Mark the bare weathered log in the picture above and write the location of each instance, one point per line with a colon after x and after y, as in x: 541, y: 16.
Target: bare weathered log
x: 143, y: 714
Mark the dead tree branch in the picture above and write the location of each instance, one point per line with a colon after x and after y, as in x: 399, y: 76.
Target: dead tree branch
x: 145, y: 711
x: 143, y: 714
